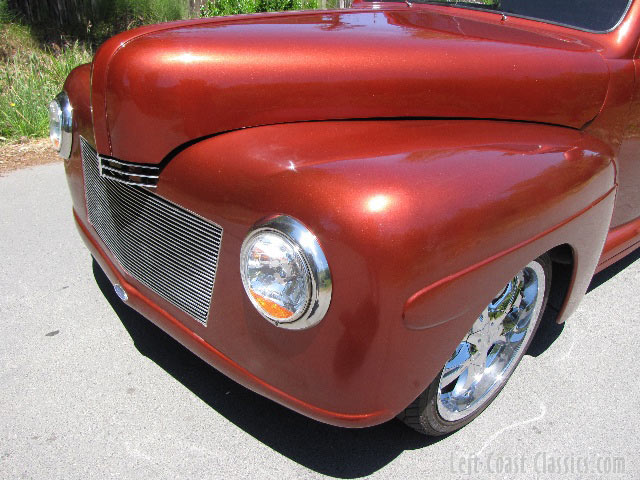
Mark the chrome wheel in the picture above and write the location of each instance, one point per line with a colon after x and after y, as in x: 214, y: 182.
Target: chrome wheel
x: 484, y: 360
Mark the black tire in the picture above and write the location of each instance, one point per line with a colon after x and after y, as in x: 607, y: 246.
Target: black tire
x: 423, y: 414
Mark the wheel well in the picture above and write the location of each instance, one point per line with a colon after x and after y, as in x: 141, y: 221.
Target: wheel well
x: 563, y: 261
x: 562, y: 264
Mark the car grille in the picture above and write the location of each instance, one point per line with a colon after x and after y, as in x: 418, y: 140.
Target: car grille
x: 129, y: 173
x: 165, y: 247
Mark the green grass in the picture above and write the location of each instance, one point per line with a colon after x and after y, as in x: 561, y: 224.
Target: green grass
x: 108, y: 17
x: 233, y: 7
x: 30, y: 76
x: 35, y: 60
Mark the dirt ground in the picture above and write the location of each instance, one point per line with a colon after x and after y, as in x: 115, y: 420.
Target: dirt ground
x: 27, y: 153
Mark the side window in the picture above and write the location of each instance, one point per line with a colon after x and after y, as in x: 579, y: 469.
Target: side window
x: 595, y: 15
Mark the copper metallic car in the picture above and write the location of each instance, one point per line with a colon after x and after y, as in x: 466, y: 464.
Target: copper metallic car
x: 361, y: 214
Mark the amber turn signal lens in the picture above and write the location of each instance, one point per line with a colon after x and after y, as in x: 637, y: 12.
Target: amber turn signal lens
x: 272, y: 308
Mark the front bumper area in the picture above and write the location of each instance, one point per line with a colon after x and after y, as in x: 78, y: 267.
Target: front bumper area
x: 172, y: 326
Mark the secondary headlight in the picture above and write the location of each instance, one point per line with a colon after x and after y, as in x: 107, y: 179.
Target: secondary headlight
x: 60, y: 124
x: 285, y: 273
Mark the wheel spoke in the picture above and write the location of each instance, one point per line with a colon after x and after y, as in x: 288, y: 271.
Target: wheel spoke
x: 494, y: 352
x: 515, y: 338
x: 474, y: 371
x: 500, y: 340
x: 476, y: 338
x: 456, y: 365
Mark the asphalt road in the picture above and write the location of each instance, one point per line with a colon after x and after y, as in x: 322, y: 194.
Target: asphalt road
x: 90, y: 389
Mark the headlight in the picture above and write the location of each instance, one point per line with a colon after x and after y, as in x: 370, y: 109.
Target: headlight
x: 285, y: 273
x: 60, y: 124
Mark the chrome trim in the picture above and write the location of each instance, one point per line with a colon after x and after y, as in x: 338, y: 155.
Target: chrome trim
x: 128, y: 164
x: 308, y: 247
x: 120, y: 292
x: 111, y: 169
x: 170, y: 250
x: 130, y: 182
x: 66, y: 125
x: 129, y: 173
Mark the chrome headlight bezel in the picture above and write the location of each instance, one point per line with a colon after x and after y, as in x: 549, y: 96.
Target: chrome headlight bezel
x: 61, y: 124
x: 308, y: 248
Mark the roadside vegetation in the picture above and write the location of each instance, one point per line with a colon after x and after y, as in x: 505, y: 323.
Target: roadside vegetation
x: 96, y: 20
x: 213, y: 8
x: 41, y: 42
x: 31, y: 74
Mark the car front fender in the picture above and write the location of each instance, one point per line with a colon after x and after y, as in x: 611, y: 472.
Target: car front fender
x: 421, y: 222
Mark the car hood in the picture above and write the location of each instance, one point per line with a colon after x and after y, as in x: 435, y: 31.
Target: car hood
x: 157, y: 88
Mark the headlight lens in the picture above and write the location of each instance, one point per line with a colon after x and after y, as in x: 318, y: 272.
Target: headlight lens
x: 276, y: 276
x: 55, y: 124
x: 285, y: 273
x: 60, y: 124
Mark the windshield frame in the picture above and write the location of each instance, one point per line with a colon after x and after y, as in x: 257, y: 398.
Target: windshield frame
x: 471, y: 6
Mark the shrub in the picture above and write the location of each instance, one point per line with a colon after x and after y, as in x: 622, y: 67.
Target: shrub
x: 95, y: 20
x: 109, y: 17
x: 30, y: 76
x: 233, y: 7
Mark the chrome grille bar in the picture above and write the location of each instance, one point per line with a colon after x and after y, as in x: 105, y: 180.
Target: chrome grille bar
x: 129, y: 173
x: 165, y: 247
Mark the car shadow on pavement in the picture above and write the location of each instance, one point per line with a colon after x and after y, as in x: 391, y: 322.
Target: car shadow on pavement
x: 333, y: 451
x: 549, y: 330
x: 613, y: 270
